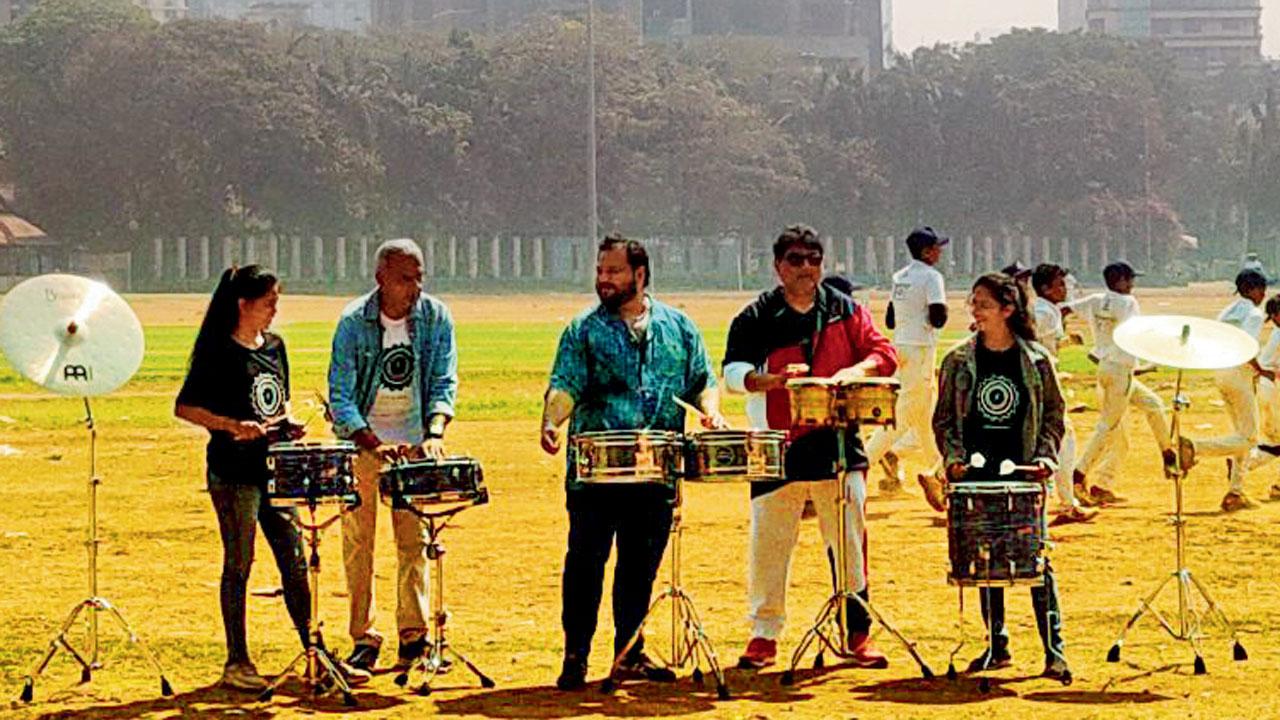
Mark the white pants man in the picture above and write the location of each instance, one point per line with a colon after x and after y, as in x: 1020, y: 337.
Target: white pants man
x: 1117, y: 390
x: 1237, y: 388
x: 775, y: 526
x: 359, y: 527
x: 913, y: 411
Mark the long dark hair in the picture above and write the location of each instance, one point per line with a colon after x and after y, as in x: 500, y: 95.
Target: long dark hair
x: 1009, y: 293
x: 245, y: 283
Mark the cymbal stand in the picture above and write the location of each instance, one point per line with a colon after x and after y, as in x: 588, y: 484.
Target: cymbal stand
x: 318, y: 664
x: 93, y: 604
x: 829, y: 629
x: 689, y: 639
x: 1189, y: 626
x: 435, y: 660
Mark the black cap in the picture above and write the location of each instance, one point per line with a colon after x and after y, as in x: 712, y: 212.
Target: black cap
x: 1017, y: 270
x: 1119, y: 269
x: 924, y: 237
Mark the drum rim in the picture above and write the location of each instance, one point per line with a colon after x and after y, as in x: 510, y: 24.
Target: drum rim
x: 297, y: 446
x: 994, y: 487
x: 756, y: 434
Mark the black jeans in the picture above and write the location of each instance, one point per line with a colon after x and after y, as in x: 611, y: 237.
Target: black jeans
x: 240, y: 508
x: 640, y: 517
x: 1044, y: 602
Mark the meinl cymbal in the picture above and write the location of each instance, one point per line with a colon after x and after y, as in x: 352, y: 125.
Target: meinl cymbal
x: 70, y: 335
x: 1185, y: 342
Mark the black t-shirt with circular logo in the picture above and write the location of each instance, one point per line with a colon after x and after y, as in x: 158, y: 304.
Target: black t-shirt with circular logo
x: 243, y: 384
x: 998, y: 408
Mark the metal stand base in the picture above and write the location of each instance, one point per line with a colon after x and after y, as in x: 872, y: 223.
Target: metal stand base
x: 689, y: 641
x: 95, y: 603
x: 1189, y: 628
x: 435, y: 661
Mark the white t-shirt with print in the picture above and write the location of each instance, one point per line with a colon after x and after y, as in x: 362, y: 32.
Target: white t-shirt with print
x: 396, y: 415
x: 915, y: 288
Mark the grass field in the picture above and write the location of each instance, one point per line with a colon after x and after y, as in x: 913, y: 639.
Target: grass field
x: 161, y: 556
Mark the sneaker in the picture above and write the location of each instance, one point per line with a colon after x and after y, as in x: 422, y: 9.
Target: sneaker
x: 988, y: 661
x: 1170, y: 461
x: 935, y: 490
x: 1234, y: 501
x: 408, y: 653
x: 760, y: 653
x: 242, y: 676
x: 573, y: 674
x: 1102, y: 497
x: 1187, y: 453
x: 864, y: 654
x: 892, y: 480
x: 641, y: 667
x: 364, y: 656
x: 1275, y: 492
x: 1072, y: 515
x: 354, y: 676
x: 1057, y: 669
x: 1273, y: 450
x: 1081, y: 489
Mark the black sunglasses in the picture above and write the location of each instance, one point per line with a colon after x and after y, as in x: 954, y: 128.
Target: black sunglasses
x: 799, y: 259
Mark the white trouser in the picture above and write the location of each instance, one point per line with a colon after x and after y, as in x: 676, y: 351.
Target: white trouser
x: 913, y: 411
x: 359, y: 527
x: 775, y: 525
x: 1066, y: 466
x: 1268, y: 422
x: 1236, y: 386
x: 1107, y: 448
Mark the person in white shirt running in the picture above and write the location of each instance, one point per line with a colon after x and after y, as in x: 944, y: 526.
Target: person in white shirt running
x: 917, y: 311
x: 1117, y: 389
x: 1237, y: 387
x: 1050, y: 284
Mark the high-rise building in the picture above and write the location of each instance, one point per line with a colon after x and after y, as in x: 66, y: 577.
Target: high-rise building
x: 352, y: 15
x: 853, y: 29
x: 1201, y: 34
x: 1072, y: 15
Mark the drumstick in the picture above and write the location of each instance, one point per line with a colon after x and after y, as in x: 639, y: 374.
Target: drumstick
x: 688, y: 407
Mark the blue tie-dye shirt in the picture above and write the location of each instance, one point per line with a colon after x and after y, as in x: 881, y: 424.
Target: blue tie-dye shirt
x: 620, y: 383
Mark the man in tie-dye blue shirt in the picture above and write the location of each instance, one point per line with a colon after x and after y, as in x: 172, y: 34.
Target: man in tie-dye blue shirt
x: 620, y: 366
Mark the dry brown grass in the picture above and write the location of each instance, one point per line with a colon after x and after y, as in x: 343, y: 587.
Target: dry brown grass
x: 161, y: 557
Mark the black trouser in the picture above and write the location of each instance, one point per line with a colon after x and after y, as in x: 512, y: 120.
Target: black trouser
x: 1044, y: 602
x: 640, y: 517
x: 240, y: 508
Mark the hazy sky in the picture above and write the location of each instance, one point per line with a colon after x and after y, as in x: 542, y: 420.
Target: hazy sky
x: 924, y: 22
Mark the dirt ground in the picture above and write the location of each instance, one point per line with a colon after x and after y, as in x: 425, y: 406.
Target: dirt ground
x: 160, y: 565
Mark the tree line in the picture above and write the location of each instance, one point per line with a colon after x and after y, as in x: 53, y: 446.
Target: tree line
x: 118, y: 130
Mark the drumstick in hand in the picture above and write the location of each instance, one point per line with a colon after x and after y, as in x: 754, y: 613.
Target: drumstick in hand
x: 691, y: 408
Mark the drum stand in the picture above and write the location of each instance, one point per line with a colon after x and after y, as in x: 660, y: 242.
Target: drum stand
x: 688, y: 638
x: 319, y: 663
x: 1189, y: 627
x: 95, y: 603
x: 829, y: 628
x: 435, y: 660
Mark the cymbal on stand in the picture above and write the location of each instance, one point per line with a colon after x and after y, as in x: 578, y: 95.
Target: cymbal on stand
x: 1185, y: 342
x: 70, y: 335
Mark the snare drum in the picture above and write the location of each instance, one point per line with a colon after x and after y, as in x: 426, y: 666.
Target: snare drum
x: 867, y: 401
x: 455, y: 481
x: 812, y: 402
x: 311, y: 473
x: 735, y: 455
x: 995, y: 533
x: 628, y: 457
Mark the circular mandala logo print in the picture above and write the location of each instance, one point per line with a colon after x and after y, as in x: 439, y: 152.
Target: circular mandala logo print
x: 268, y: 395
x: 997, y: 398
x: 397, y: 367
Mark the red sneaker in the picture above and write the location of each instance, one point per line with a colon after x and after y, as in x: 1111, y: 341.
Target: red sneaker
x: 864, y: 653
x: 760, y: 653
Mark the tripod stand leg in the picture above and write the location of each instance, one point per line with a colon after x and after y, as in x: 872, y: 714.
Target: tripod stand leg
x: 698, y: 641
x: 611, y: 681
x: 1238, y: 653
x: 814, y: 633
x: 284, y: 675
x: 925, y: 670
x: 326, y: 662
x: 59, y: 641
x: 485, y: 681
x: 165, y: 688
x: 1144, y: 606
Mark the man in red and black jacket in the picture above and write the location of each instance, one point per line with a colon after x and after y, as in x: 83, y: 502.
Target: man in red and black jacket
x: 803, y: 329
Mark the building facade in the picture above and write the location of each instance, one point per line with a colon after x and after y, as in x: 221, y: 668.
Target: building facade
x: 350, y: 15
x: 1203, y: 35
x: 1072, y: 15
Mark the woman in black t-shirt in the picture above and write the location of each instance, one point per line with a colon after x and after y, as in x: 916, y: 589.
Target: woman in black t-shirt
x: 237, y: 387
x: 999, y: 395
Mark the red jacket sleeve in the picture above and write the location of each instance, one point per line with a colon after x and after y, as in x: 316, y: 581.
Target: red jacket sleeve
x: 867, y: 342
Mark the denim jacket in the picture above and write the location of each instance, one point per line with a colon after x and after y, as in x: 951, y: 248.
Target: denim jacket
x: 353, y: 366
x: 1043, y: 425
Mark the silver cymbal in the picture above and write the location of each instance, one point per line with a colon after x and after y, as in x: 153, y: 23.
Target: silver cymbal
x: 71, y: 335
x: 1182, y: 341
